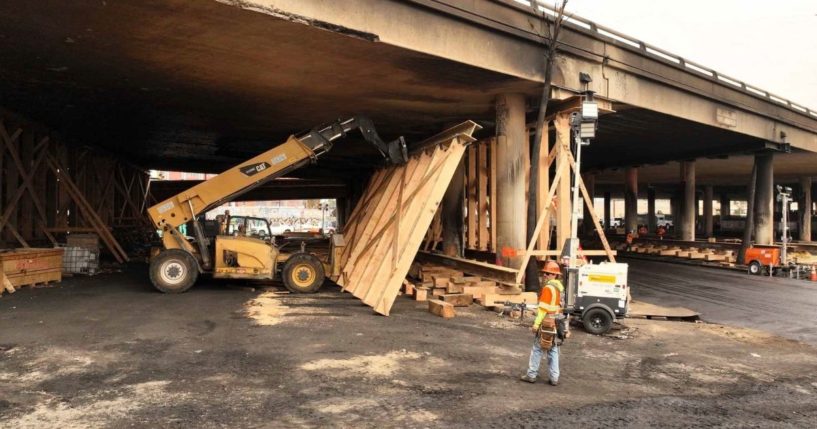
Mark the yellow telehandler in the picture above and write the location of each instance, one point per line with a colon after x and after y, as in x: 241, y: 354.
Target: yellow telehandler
x: 225, y: 254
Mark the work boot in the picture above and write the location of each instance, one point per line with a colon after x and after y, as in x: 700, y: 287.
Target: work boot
x: 553, y: 382
x: 525, y: 377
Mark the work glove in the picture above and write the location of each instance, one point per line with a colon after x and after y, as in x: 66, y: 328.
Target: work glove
x: 534, y: 329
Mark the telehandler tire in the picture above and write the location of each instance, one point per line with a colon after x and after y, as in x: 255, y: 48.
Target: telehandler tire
x: 303, y: 273
x: 173, y: 271
x: 597, y: 321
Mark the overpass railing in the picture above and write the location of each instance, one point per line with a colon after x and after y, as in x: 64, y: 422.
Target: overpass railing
x: 670, y: 58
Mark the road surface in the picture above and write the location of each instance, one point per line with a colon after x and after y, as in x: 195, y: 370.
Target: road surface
x: 780, y: 306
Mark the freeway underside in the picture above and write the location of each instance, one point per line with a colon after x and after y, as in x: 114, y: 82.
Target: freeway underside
x: 200, y: 86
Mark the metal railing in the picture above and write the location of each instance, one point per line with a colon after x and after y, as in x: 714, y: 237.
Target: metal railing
x: 670, y: 58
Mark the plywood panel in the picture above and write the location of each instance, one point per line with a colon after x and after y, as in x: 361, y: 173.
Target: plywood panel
x: 391, y: 220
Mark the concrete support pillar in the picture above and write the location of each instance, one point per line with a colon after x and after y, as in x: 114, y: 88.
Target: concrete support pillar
x: 725, y: 203
x: 587, y: 221
x: 652, y: 220
x: 608, y: 201
x: 686, y: 226
x: 709, y: 221
x: 675, y: 213
x: 452, y: 213
x: 341, y: 212
x: 631, y: 199
x: 804, y: 208
x: 512, y: 164
x: 764, y: 199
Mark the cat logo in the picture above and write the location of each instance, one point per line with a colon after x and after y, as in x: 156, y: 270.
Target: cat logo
x: 253, y: 169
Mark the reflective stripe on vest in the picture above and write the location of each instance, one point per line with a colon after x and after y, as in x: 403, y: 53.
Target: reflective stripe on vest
x: 552, y: 303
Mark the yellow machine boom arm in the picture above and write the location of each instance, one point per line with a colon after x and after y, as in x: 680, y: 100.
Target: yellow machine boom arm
x: 294, y: 153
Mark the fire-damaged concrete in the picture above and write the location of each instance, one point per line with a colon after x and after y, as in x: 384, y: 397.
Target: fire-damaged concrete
x: 111, y: 352
x: 201, y: 85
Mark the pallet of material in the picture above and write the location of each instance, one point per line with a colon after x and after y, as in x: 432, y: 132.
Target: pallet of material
x: 29, y: 267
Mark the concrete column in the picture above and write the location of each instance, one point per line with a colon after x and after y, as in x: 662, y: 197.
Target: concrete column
x: 608, y: 200
x: 631, y: 199
x: 764, y: 199
x: 652, y: 221
x: 512, y: 163
x: 587, y: 221
x: 675, y: 212
x: 804, y: 207
x: 342, y: 212
x: 452, y: 215
x: 686, y: 226
x: 725, y: 202
x: 709, y: 221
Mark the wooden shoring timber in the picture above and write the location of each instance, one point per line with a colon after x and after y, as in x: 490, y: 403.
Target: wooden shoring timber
x: 26, y: 173
x: 473, y: 211
x: 588, y: 200
x: 482, y: 192
x: 87, y: 210
x: 381, y: 244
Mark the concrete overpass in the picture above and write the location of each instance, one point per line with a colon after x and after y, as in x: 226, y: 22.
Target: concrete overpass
x: 202, y: 85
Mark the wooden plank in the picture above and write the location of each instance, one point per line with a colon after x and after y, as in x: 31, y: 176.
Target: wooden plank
x: 87, y: 211
x: 482, y: 196
x: 483, y: 269
x: 10, y: 141
x: 458, y: 299
x: 472, y: 217
x: 440, y: 281
x: 477, y: 292
x: 375, y: 249
x: 421, y: 294
x: 440, y: 308
x: 454, y: 288
x: 422, y: 212
x: 26, y: 225
x: 581, y: 253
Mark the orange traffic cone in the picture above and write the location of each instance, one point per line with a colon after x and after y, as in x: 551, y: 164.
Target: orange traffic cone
x: 813, y: 276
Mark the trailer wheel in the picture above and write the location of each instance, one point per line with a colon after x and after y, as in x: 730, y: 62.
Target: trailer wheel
x: 303, y: 273
x: 755, y: 268
x: 173, y: 271
x: 597, y: 321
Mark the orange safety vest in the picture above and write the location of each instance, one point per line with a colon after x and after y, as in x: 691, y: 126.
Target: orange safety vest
x: 550, y: 298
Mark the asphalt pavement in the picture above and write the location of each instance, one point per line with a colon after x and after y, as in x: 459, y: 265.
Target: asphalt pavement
x: 782, y: 306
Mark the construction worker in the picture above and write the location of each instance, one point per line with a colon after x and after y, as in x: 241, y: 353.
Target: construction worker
x: 662, y: 231
x: 550, y: 307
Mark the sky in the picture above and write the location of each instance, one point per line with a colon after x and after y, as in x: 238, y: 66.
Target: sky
x: 771, y: 45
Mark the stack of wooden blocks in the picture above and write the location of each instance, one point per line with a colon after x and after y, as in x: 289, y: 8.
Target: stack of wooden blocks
x: 445, y: 289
